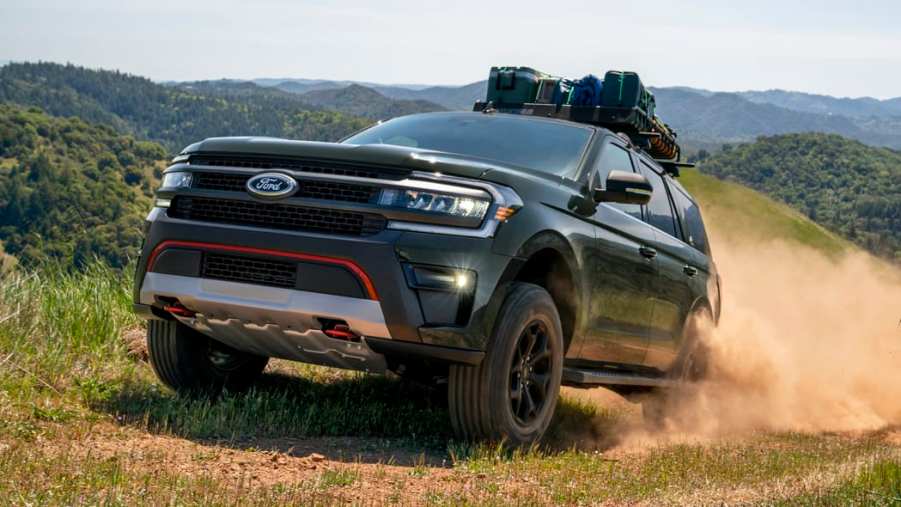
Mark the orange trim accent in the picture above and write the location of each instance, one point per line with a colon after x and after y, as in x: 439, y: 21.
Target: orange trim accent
x: 346, y: 263
x: 503, y: 214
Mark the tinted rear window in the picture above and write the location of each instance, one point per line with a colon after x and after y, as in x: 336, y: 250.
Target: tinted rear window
x: 541, y: 145
x: 660, y: 212
x: 696, y: 235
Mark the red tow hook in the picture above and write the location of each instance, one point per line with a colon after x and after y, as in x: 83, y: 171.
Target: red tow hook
x: 341, y: 332
x: 179, y: 310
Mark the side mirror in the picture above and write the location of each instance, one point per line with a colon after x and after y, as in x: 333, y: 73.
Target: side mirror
x: 625, y: 188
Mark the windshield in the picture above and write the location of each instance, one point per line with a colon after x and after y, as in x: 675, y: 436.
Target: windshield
x: 541, y: 145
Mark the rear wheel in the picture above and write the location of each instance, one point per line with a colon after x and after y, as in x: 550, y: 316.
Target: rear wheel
x: 511, y: 396
x: 692, y: 365
x: 191, y: 362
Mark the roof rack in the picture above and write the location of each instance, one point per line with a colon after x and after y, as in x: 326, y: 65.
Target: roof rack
x: 648, y: 133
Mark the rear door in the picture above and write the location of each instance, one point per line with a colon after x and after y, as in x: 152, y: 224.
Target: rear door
x: 623, y: 278
x: 678, y: 266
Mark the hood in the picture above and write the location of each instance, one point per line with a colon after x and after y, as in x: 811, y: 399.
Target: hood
x: 376, y: 154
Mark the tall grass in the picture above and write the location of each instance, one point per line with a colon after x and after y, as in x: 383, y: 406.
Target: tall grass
x: 57, y: 325
x: 61, y: 351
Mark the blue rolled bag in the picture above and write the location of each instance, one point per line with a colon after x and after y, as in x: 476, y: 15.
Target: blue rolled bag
x: 587, y: 91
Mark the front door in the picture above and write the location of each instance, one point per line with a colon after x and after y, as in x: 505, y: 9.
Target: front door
x: 623, y: 274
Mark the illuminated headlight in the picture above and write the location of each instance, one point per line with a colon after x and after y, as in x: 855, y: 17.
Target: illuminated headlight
x: 464, y: 206
x: 175, y: 180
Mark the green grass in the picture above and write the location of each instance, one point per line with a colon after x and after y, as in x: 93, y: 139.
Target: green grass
x: 741, y: 215
x: 578, y: 477
x: 307, y: 404
x: 31, y: 478
x: 877, y: 484
x: 61, y: 352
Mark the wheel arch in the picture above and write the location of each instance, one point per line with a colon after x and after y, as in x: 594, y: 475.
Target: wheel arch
x: 548, y: 260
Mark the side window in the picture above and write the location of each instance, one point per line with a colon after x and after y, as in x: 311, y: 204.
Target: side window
x: 615, y: 158
x: 660, y: 211
x: 695, y: 235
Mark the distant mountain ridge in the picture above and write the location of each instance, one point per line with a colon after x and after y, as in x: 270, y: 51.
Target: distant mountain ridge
x: 359, y: 100
x: 730, y: 118
x: 180, y: 113
x: 703, y: 118
x: 825, y: 104
x: 448, y: 97
x: 354, y: 99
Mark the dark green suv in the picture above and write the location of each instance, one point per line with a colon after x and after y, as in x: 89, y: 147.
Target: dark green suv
x: 503, y: 255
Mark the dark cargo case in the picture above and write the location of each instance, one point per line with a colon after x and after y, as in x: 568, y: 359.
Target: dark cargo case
x: 513, y: 85
x: 625, y: 89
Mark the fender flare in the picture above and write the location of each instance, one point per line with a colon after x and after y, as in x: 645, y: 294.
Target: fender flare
x: 541, y: 241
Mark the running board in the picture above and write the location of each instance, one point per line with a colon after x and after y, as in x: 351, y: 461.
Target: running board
x: 608, y: 377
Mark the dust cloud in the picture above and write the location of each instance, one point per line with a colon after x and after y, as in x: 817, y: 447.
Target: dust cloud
x: 805, y: 343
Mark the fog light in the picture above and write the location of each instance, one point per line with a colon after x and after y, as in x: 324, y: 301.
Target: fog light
x: 448, y: 279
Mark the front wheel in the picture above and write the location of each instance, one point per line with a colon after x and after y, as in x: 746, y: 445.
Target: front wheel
x: 512, y: 394
x: 191, y: 362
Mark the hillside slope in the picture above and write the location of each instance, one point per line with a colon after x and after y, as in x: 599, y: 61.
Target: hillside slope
x: 844, y: 185
x: 171, y: 115
x: 70, y: 191
x: 740, y: 215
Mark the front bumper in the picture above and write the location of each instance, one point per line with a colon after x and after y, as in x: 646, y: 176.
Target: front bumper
x: 285, y: 322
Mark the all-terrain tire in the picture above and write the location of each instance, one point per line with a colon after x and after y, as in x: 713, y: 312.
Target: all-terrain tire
x: 522, y: 368
x: 192, y: 363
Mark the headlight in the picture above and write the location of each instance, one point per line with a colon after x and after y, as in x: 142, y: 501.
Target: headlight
x: 464, y: 206
x: 177, y: 179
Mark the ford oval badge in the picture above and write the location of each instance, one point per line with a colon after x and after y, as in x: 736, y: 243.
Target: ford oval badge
x: 271, y: 185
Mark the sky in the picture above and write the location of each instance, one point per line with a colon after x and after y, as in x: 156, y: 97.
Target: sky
x: 833, y: 47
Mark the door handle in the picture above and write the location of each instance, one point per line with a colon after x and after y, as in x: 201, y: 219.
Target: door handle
x: 647, y: 252
x: 689, y: 270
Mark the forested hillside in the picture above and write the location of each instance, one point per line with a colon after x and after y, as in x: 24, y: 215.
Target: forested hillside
x: 70, y: 190
x: 173, y: 116
x: 844, y: 185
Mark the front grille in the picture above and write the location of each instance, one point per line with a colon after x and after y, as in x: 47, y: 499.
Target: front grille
x: 220, y: 181
x: 249, y: 270
x: 297, y: 165
x: 308, y: 189
x: 334, y: 191
x: 276, y: 216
